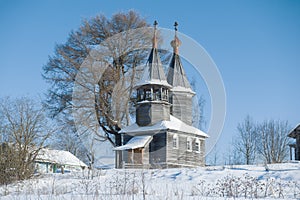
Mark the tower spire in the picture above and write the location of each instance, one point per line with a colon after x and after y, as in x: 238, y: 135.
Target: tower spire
x: 154, y: 72
x: 154, y: 40
x: 181, y: 92
x: 176, y: 42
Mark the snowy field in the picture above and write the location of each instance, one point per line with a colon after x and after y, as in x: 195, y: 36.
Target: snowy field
x: 280, y: 181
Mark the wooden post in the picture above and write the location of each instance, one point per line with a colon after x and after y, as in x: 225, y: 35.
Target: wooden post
x: 151, y: 95
x: 297, y: 147
x: 132, y: 156
x: 291, y: 156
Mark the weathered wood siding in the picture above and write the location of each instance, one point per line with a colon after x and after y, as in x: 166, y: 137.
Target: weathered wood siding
x: 135, y: 163
x: 146, y: 155
x: 157, y: 149
x: 181, y: 157
x: 182, y: 106
x: 149, y: 113
x: 125, y: 154
x: 160, y: 153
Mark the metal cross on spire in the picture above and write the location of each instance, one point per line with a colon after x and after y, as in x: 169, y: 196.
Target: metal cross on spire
x: 175, y: 25
x: 155, y: 24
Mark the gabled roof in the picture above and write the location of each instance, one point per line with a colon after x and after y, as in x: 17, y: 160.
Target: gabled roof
x: 294, y: 132
x: 174, y: 124
x: 58, y: 157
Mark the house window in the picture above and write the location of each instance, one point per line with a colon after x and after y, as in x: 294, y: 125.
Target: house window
x: 197, y: 146
x: 189, y: 144
x: 175, y: 141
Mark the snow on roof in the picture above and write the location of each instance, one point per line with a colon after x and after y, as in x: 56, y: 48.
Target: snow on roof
x: 146, y: 81
x: 182, y: 89
x: 58, y: 157
x: 173, y: 124
x: 135, y: 142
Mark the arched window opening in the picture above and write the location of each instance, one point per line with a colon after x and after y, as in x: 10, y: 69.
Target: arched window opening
x: 148, y: 95
x: 153, y: 93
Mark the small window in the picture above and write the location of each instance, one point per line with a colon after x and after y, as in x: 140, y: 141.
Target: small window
x: 157, y: 94
x: 164, y: 94
x: 140, y: 94
x: 175, y: 141
x: 197, y: 146
x: 189, y: 144
x: 148, y: 95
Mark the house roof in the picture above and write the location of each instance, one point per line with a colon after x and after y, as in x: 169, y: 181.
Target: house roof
x: 135, y: 142
x: 173, y: 124
x: 58, y: 157
x: 294, y: 132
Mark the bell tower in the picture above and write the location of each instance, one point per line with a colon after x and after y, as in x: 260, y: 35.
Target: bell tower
x: 181, y: 93
x: 152, y: 90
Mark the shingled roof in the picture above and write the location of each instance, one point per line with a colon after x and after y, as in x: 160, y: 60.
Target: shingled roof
x: 153, y: 72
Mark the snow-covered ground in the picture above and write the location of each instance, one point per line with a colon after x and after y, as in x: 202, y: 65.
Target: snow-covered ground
x: 280, y: 181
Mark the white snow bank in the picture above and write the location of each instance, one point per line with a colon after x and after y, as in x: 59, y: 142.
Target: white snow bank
x: 282, y: 181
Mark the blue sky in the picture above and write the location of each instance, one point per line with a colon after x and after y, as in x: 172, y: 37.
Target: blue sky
x: 255, y: 44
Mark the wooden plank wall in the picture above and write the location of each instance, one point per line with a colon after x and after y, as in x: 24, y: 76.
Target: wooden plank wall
x: 150, y: 113
x: 158, y: 150
x: 182, y: 107
x: 181, y: 156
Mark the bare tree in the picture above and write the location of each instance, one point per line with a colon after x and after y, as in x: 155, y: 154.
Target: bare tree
x: 213, y: 157
x: 273, y: 140
x: 25, y: 130
x: 246, y: 142
x: 267, y: 140
x: 101, y: 61
x: 66, y: 139
x: 122, y: 56
x: 198, y: 120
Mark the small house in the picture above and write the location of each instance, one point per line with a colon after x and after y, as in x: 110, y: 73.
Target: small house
x: 295, y: 134
x: 49, y: 160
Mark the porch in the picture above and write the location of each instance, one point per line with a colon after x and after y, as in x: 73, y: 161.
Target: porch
x: 135, y: 154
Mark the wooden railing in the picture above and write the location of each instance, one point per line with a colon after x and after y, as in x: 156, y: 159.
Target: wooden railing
x: 135, y: 166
